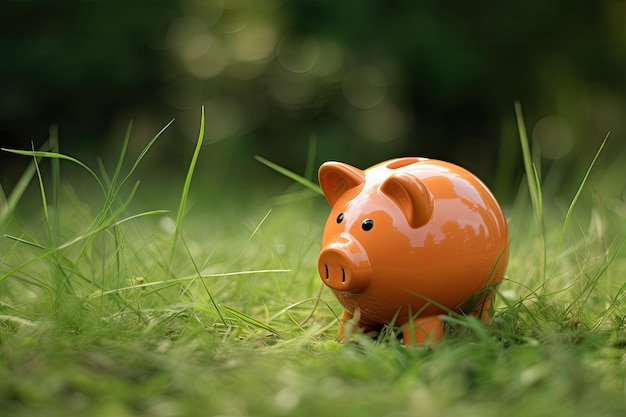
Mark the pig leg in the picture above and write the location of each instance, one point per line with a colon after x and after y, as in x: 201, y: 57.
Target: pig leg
x: 481, y: 309
x: 350, y: 323
x: 345, y: 317
x: 422, y: 330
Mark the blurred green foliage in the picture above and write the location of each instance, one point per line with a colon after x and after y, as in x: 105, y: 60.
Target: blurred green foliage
x: 370, y: 80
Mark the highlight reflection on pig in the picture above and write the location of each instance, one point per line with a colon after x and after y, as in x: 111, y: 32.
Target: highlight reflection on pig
x: 408, y: 240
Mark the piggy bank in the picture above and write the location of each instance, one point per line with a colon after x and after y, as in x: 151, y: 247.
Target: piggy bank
x: 409, y: 240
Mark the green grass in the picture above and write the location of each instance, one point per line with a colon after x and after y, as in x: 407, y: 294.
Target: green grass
x: 106, y: 310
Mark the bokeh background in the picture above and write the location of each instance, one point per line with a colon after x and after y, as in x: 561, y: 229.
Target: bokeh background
x: 368, y: 80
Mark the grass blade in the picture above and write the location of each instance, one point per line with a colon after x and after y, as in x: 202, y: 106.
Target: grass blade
x: 145, y: 151
x: 247, y: 319
x: 44, y: 200
x: 190, y: 171
x: 72, y: 241
x: 43, y: 154
x: 291, y: 175
x: 102, y: 228
x: 575, y: 199
x: 25, y: 241
x: 8, y: 204
x: 55, y: 171
x: 534, y: 187
x: 187, y: 279
x: 185, y: 193
x: 206, y: 289
x: 532, y: 177
x: 254, y: 232
x: 120, y: 161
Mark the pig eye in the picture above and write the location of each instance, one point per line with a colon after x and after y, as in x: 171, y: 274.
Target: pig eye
x: 340, y: 218
x: 367, y: 224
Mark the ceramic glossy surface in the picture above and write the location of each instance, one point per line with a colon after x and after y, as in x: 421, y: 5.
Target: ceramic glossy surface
x: 410, y: 239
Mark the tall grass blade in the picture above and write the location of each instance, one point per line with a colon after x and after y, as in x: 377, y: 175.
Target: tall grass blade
x: 120, y: 159
x: 185, y: 193
x: 106, y: 227
x: 139, y: 158
x: 8, y: 204
x: 614, y: 250
x: 570, y: 209
x: 44, y: 154
x: 174, y: 281
x: 114, y: 185
x: 254, y: 232
x: 206, y: 289
x: 532, y: 177
x: 534, y: 186
x: 72, y: 241
x: 291, y: 175
x: 190, y: 171
x: 114, y: 190
x: 25, y: 241
x: 55, y: 171
x: 44, y: 200
x: 247, y: 319
x: 316, y: 300
x: 145, y: 151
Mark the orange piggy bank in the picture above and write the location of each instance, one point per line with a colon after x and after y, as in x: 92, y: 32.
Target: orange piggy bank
x: 408, y: 240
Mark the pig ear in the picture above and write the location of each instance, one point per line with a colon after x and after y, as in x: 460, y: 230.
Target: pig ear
x: 337, y: 178
x: 411, y: 195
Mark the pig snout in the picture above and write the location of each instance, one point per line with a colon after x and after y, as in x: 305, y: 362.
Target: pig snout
x: 343, y: 266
